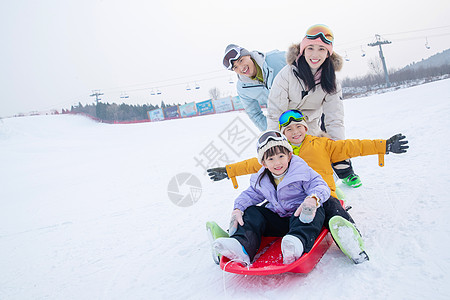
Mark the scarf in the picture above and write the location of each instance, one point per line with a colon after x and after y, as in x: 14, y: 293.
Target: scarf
x: 318, y: 76
x: 296, y: 148
x: 259, y: 75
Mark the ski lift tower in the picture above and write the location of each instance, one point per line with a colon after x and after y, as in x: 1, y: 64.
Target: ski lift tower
x: 378, y: 43
x: 96, y: 94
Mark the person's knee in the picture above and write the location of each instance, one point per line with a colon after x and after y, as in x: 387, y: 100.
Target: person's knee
x: 251, y: 210
x: 253, y: 213
x: 320, y: 214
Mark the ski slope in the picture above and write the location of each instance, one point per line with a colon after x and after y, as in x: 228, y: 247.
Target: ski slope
x: 86, y: 213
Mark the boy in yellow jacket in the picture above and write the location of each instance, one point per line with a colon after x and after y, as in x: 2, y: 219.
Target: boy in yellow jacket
x: 319, y: 153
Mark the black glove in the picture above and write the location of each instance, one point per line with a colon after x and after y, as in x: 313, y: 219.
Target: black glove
x: 396, y: 145
x: 216, y: 174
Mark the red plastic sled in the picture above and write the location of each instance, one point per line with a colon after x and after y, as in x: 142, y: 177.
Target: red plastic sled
x: 269, y: 259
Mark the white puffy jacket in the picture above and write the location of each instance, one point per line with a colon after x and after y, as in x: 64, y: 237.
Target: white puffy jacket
x: 287, y: 91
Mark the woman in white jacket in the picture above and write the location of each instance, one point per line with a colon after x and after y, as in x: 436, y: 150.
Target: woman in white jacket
x: 308, y: 83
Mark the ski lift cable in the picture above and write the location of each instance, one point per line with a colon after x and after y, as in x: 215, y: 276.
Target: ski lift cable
x: 222, y: 70
x: 389, y: 34
x: 156, y: 90
x: 176, y: 84
x: 78, y: 98
x: 413, y: 31
x: 421, y: 37
x: 339, y: 50
x: 162, y: 81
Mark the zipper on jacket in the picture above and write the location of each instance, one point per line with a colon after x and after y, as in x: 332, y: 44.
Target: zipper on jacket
x: 247, y: 87
x: 267, y: 78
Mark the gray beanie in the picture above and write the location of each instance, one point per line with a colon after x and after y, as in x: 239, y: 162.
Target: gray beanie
x: 272, y: 143
x: 242, y: 52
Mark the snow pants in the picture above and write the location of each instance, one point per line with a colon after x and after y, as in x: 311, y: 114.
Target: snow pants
x: 260, y: 221
x: 333, y: 208
x: 343, y: 168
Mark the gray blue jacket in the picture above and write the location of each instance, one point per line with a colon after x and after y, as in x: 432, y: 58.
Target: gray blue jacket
x: 299, y: 182
x: 254, y: 93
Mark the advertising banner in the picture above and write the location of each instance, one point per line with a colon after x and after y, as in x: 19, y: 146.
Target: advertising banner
x: 237, y: 103
x: 223, y: 105
x: 188, y: 110
x: 205, y: 107
x: 171, y: 112
x: 156, y: 115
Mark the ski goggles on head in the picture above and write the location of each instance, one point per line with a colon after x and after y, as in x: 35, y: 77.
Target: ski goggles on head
x: 288, y: 116
x: 269, y: 135
x: 322, y: 32
x: 231, y: 55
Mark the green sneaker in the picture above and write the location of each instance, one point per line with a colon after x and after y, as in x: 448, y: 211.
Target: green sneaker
x: 214, y: 232
x: 348, y: 239
x: 352, y: 180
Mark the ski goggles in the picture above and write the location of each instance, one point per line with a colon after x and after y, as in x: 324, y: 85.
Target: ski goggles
x: 269, y: 135
x: 322, y: 32
x: 230, y: 56
x: 288, y: 116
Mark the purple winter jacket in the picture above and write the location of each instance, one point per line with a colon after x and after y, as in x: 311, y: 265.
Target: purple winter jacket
x: 299, y: 182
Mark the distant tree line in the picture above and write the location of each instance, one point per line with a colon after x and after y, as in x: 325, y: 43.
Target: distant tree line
x: 404, y: 75
x: 119, y: 112
x: 113, y: 111
x: 354, y: 86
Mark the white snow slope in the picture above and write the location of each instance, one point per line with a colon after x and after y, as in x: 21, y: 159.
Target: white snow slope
x: 85, y: 211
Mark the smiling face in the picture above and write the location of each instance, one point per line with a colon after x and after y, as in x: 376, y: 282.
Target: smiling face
x: 295, y: 133
x: 277, y: 163
x: 315, y: 55
x: 244, y: 66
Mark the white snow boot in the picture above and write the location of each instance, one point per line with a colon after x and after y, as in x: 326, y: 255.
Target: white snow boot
x: 231, y: 248
x: 292, y: 248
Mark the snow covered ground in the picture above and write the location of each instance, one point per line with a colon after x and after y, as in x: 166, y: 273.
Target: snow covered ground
x: 86, y: 213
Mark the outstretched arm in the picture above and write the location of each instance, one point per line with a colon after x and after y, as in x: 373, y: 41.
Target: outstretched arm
x: 345, y: 149
x: 245, y: 167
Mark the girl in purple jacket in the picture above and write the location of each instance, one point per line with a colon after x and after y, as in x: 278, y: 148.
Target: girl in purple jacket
x: 291, y: 189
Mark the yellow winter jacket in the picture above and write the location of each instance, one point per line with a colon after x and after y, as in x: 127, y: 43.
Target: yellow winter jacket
x: 319, y: 153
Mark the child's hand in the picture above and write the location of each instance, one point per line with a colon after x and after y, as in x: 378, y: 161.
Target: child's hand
x: 396, y: 144
x: 308, y: 202
x: 216, y: 174
x: 307, y: 210
x: 236, y: 217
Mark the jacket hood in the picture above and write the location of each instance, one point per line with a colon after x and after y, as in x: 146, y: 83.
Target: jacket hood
x: 294, y: 51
